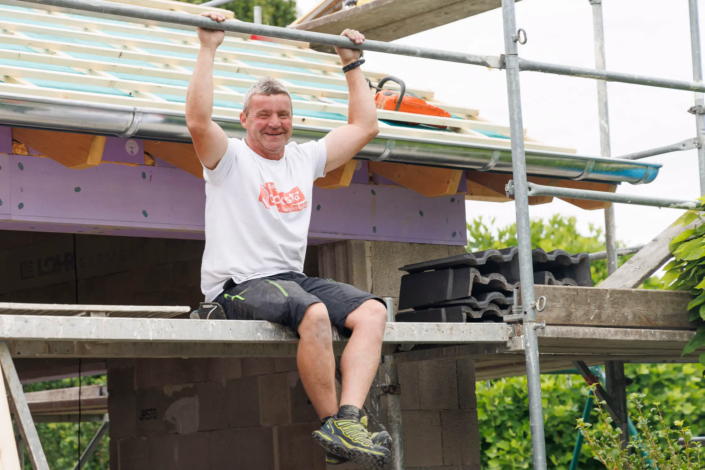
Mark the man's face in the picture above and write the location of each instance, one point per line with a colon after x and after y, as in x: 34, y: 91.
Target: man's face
x: 268, y: 121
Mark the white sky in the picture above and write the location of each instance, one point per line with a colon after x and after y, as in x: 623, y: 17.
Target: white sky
x: 642, y: 36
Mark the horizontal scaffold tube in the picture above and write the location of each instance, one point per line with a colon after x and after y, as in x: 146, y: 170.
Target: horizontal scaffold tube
x: 569, y: 70
x: 102, y: 7
x: 150, y: 124
x: 553, y: 191
x: 688, y: 144
x: 620, y: 252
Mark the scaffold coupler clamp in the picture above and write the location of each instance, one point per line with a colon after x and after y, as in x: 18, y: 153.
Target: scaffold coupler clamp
x: 387, y: 389
x: 697, y: 109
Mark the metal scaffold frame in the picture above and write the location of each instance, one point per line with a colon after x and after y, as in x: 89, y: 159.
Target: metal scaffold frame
x: 519, y: 188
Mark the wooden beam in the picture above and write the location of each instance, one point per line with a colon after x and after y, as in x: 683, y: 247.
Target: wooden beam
x: 617, y: 308
x: 485, y: 186
x: 387, y: 20
x: 338, y: 178
x: 74, y: 151
x: 431, y: 182
x: 589, y: 185
x: 643, y: 264
x: 180, y: 155
x: 9, y: 459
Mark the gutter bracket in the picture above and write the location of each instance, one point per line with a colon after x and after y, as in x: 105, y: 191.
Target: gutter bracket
x: 493, y: 161
x: 387, y: 151
x: 134, y: 124
x: 509, y: 188
x: 588, y: 169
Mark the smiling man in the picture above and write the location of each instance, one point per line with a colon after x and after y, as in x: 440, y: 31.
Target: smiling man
x: 258, y: 210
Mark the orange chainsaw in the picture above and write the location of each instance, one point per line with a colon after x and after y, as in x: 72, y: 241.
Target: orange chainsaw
x: 391, y: 100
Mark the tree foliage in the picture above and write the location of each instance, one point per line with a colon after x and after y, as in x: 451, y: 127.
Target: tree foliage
x: 274, y: 12
x: 502, y: 405
x: 687, y: 272
x: 60, y: 440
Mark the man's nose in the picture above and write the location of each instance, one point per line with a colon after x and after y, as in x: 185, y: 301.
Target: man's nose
x: 274, y: 121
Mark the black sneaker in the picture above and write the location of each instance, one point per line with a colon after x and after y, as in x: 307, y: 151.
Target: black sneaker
x: 209, y: 311
x: 381, y: 438
x: 346, y: 437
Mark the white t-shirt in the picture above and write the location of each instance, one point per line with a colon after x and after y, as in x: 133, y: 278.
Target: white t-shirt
x: 258, y: 213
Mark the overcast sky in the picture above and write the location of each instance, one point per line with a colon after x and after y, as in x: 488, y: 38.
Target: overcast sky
x: 642, y: 36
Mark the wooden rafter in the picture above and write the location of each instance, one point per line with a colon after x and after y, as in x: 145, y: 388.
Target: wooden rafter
x: 431, y: 182
x: 180, y: 155
x: 589, y: 185
x: 338, y: 178
x: 74, y: 151
x: 490, y: 187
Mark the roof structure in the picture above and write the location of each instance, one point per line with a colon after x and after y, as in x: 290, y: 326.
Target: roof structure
x: 387, y: 20
x: 91, y: 76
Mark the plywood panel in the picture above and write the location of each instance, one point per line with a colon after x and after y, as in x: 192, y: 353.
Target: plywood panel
x: 431, y: 182
x: 180, y: 155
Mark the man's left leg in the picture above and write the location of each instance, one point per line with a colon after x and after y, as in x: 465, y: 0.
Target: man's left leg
x: 360, y: 361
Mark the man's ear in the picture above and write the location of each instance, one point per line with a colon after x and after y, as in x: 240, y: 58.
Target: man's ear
x: 243, y: 120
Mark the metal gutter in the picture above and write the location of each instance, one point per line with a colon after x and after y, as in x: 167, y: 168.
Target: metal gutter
x: 152, y: 124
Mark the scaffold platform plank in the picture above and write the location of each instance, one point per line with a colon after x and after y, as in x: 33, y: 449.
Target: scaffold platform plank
x: 92, y: 310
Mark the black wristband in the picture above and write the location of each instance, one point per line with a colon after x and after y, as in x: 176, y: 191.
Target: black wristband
x: 353, y: 65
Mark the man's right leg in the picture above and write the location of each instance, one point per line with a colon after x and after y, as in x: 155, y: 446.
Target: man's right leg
x: 316, y: 361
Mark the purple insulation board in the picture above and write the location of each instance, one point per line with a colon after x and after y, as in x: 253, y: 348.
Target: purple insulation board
x: 166, y: 202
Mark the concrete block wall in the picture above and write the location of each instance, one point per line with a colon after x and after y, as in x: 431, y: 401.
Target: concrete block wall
x: 210, y: 414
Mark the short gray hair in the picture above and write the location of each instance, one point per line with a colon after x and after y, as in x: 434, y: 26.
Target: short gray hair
x: 265, y: 86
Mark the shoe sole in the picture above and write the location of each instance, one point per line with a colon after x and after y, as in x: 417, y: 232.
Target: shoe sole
x: 362, y: 458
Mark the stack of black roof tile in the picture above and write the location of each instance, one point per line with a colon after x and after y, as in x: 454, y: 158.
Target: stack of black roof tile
x: 479, y: 286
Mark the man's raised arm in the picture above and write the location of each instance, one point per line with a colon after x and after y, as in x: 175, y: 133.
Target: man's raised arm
x: 345, y: 142
x: 209, y: 139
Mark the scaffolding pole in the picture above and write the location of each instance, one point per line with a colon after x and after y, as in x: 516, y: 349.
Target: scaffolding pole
x: 604, y: 116
x: 526, y: 268
x: 541, y: 190
x: 698, y: 77
x: 610, y: 224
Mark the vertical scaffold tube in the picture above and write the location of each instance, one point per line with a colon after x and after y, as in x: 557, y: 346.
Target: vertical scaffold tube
x: 698, y: 76
x: 391, y: 377
x: 526, y: 271
x: 604, y: 116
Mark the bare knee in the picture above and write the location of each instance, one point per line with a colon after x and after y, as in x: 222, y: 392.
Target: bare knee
x: 316, y: 323
x: 372, y: 314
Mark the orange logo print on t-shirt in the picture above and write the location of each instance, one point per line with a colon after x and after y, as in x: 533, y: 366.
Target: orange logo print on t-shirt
x: 293, y: 201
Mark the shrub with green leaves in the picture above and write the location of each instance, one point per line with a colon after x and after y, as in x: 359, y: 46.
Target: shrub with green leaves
x: 656, y: 446
x: 687, y: 272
